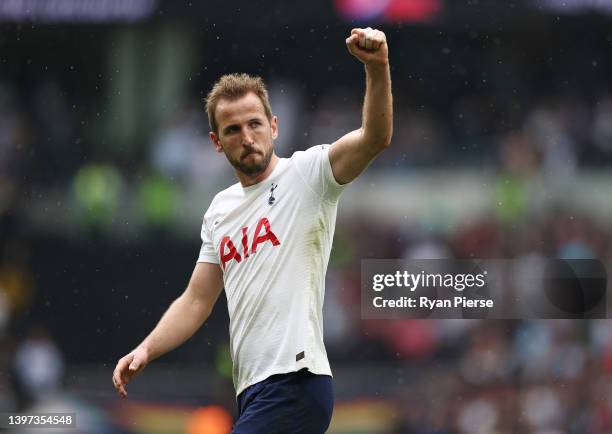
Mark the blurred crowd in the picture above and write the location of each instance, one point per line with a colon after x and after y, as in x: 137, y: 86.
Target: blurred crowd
x: 49, y: 144
x: 479, y: 376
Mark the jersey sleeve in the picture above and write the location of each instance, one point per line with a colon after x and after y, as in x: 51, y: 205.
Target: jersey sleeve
x: 315, y: 168
x: 207, y: 251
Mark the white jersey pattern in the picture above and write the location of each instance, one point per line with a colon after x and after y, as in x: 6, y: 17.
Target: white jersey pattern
x: 273, y: 241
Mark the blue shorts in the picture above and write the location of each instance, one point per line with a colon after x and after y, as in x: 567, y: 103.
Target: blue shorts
x: 294, y: 403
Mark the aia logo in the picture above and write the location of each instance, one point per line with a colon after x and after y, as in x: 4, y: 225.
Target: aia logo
x: 263, y: 233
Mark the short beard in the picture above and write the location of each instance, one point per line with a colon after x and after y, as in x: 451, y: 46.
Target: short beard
x: 252, y: 169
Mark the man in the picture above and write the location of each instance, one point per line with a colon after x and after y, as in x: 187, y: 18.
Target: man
x: 267, y: 240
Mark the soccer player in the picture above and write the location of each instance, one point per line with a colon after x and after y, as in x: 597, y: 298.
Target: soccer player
x: 267, y: 241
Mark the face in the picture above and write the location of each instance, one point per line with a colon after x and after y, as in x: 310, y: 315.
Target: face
x: 245, y: 134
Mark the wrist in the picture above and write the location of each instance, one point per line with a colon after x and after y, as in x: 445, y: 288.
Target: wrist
x: 375, y: 66
x: 144, y: 350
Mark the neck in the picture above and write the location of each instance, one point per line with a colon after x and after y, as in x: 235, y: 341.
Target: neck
x: 248, y: 180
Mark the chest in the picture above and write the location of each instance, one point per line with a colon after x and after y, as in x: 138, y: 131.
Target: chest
x: 263, y: 222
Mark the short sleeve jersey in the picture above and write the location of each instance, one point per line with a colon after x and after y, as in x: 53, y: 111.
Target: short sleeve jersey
x: 273, y: 240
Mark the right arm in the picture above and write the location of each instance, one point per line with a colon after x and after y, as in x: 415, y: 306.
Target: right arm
x: 182, y: 319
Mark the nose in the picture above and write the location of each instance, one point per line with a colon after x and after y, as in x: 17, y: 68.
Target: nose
x: 247, y: 139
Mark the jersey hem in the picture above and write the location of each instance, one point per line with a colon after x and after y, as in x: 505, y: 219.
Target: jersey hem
x: 287, y: 370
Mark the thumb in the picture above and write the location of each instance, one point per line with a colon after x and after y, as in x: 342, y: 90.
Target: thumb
x: 351, y: 43
x: 352, y: 39
x: 135, y: 364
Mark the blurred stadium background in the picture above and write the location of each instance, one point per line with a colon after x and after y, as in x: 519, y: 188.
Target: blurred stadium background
x: 502, y: 149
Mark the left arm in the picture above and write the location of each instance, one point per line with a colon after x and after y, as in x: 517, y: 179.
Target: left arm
x: 352, y: 153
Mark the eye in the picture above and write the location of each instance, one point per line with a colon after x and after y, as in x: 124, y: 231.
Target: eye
x: 231, y: 129
x: 255, y: 124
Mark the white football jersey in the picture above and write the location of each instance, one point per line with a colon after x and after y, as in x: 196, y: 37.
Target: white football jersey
x: 272, y: 241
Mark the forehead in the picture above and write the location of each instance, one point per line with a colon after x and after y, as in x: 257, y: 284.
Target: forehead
x: 238, y: 110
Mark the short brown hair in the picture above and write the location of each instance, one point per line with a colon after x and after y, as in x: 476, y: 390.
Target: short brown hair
x: 234, y: 86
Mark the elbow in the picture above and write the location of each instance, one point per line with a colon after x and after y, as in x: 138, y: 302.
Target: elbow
x: 387, y: 137
x: 200, y: 307
x: 386, y: 141
x: 378, y: 140
x: 380, y: 143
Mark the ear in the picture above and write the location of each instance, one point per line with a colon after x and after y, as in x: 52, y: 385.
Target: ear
x: 274, y: 127
x: 216, y: 141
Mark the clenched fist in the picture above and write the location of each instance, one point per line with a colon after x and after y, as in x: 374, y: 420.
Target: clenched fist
x: 369, y: 46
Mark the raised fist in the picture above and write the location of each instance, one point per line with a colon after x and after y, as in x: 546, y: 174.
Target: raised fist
x: 369, y: 46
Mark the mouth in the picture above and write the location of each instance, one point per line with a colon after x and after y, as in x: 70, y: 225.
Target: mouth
x: 249, y: 154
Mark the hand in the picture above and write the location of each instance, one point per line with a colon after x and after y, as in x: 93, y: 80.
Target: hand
x: 369, y: 46
x: 128, y: 367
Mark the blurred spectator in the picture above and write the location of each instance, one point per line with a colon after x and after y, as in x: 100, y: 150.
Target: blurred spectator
x: 338, y: 111
x: 55, y: 134
x: 17, y: 285
x: 98, y: 188
x: 602, y: 125
x: 478, y: 417
x: 182, y: 150
x: 159, y: 199
x: 543, y: 408
x: 288, y: 104
x: 39, y: 367
x: 14, y: 143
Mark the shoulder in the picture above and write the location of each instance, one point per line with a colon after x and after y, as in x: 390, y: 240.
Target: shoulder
x: 231, y: 192
x: 313, y: 152
x: 311, y: 157
x: 223, y: 197
x: 314, y: 167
